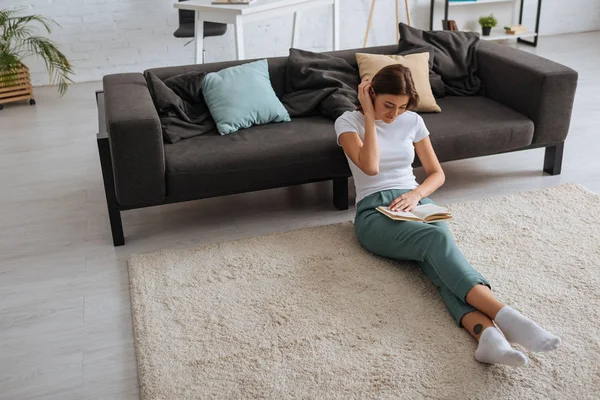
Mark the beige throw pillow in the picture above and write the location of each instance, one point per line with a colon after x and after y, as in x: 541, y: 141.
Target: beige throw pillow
x: 370, y: 64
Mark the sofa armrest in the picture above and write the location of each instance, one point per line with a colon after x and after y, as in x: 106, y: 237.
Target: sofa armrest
x: 136, y: 141
x: 536, y: 87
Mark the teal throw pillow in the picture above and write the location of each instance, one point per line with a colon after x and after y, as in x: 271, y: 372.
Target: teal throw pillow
x: 241, y: 96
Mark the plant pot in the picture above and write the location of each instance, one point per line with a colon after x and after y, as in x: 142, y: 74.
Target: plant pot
x: 16, y: 88
x: 485, y: 30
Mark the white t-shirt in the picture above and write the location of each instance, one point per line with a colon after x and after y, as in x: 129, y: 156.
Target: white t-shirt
x: 396, y: 151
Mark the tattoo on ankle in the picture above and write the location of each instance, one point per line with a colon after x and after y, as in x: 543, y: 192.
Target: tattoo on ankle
x: 477, y: 329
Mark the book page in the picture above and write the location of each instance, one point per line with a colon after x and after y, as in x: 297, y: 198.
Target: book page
x: 425, y: 210
x: 399, y: 213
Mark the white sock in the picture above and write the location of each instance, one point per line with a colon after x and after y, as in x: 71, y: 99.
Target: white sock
x: 519, y: 329
x: 494, y: 349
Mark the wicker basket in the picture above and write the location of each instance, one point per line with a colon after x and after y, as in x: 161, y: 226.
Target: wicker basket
x: 19, y: 89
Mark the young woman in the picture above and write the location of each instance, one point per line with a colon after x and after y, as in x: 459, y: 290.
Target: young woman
x: 380, y: 140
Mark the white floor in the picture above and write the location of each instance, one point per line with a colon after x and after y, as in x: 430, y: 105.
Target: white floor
x: 65, y: 320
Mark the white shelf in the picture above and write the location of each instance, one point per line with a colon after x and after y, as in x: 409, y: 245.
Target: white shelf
x: 472, y: 3
x: 500, y: 35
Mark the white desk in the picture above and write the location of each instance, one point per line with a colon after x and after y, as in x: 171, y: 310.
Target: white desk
x: 238, y: 14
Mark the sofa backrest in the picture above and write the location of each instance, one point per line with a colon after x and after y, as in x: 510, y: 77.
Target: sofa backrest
x: 276, y: 70
x: 350, y: 54
x: 277, y: 65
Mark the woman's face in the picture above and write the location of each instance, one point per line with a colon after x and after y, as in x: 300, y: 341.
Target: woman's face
x: 389, y: 106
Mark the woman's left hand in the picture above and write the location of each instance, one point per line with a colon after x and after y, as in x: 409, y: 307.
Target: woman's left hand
x: 406, y: 201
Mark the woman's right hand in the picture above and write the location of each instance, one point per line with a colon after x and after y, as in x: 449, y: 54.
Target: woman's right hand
x: 364, y: 96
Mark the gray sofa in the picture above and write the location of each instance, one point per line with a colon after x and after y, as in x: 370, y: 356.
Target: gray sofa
x: 527, y: 104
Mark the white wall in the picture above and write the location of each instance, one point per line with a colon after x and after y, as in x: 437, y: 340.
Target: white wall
x: 564, y: 16
x: 110, y: 36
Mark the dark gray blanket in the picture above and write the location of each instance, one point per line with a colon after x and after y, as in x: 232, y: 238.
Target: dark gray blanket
x: 455, y: 57
x: 317, y: 83
x: 180, y: 105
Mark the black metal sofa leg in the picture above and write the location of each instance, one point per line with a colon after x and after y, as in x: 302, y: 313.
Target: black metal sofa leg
x: 114, y: 212
x: 340, y: 193
x: 553, y: 159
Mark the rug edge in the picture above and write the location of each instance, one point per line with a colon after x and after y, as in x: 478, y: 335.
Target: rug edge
x: 130, y: 259
x: 580, y: 187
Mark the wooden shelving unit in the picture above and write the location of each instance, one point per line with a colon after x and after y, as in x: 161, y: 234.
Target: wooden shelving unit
x: 495, y: 35
x: 500, y: 35
x: 19, y: 89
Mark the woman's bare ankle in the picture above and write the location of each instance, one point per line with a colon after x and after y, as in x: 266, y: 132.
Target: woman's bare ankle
x: 475, y: 323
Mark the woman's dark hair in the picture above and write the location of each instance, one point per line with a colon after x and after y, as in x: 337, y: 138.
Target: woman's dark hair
x: 395, y: 79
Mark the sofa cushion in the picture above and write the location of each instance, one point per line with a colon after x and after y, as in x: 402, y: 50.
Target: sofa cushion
x: 319, y: 84
x: 259, y: 157
x: 241, y: 96
x: 455, y: 56
x: 474, y: 126
x: 304, y: 149
x: 418, y: 64
x: 437, y: 85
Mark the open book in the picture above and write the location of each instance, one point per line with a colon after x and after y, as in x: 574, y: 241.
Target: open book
x: 424, y: 213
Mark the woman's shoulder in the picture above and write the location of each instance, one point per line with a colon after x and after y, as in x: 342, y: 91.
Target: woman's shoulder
x: 411, y: 115
x: 349, y: 119
x: 411, y: 118
x: 350, y: 116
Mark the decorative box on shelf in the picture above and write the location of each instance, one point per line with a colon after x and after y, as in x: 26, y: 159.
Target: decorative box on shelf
x: 515, y: 29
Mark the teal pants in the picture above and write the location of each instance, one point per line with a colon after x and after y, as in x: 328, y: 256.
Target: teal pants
x: 432, y: 246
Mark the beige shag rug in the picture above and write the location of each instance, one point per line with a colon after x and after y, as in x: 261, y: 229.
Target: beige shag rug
x: 309, y: 314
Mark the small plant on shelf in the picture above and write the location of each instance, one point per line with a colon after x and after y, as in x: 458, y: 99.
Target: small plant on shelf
x: 19, y: 39
x: 487, y: 22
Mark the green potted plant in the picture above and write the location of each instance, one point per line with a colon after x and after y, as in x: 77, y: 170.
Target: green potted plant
x: 487, y: 23
x: 19, y: 39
